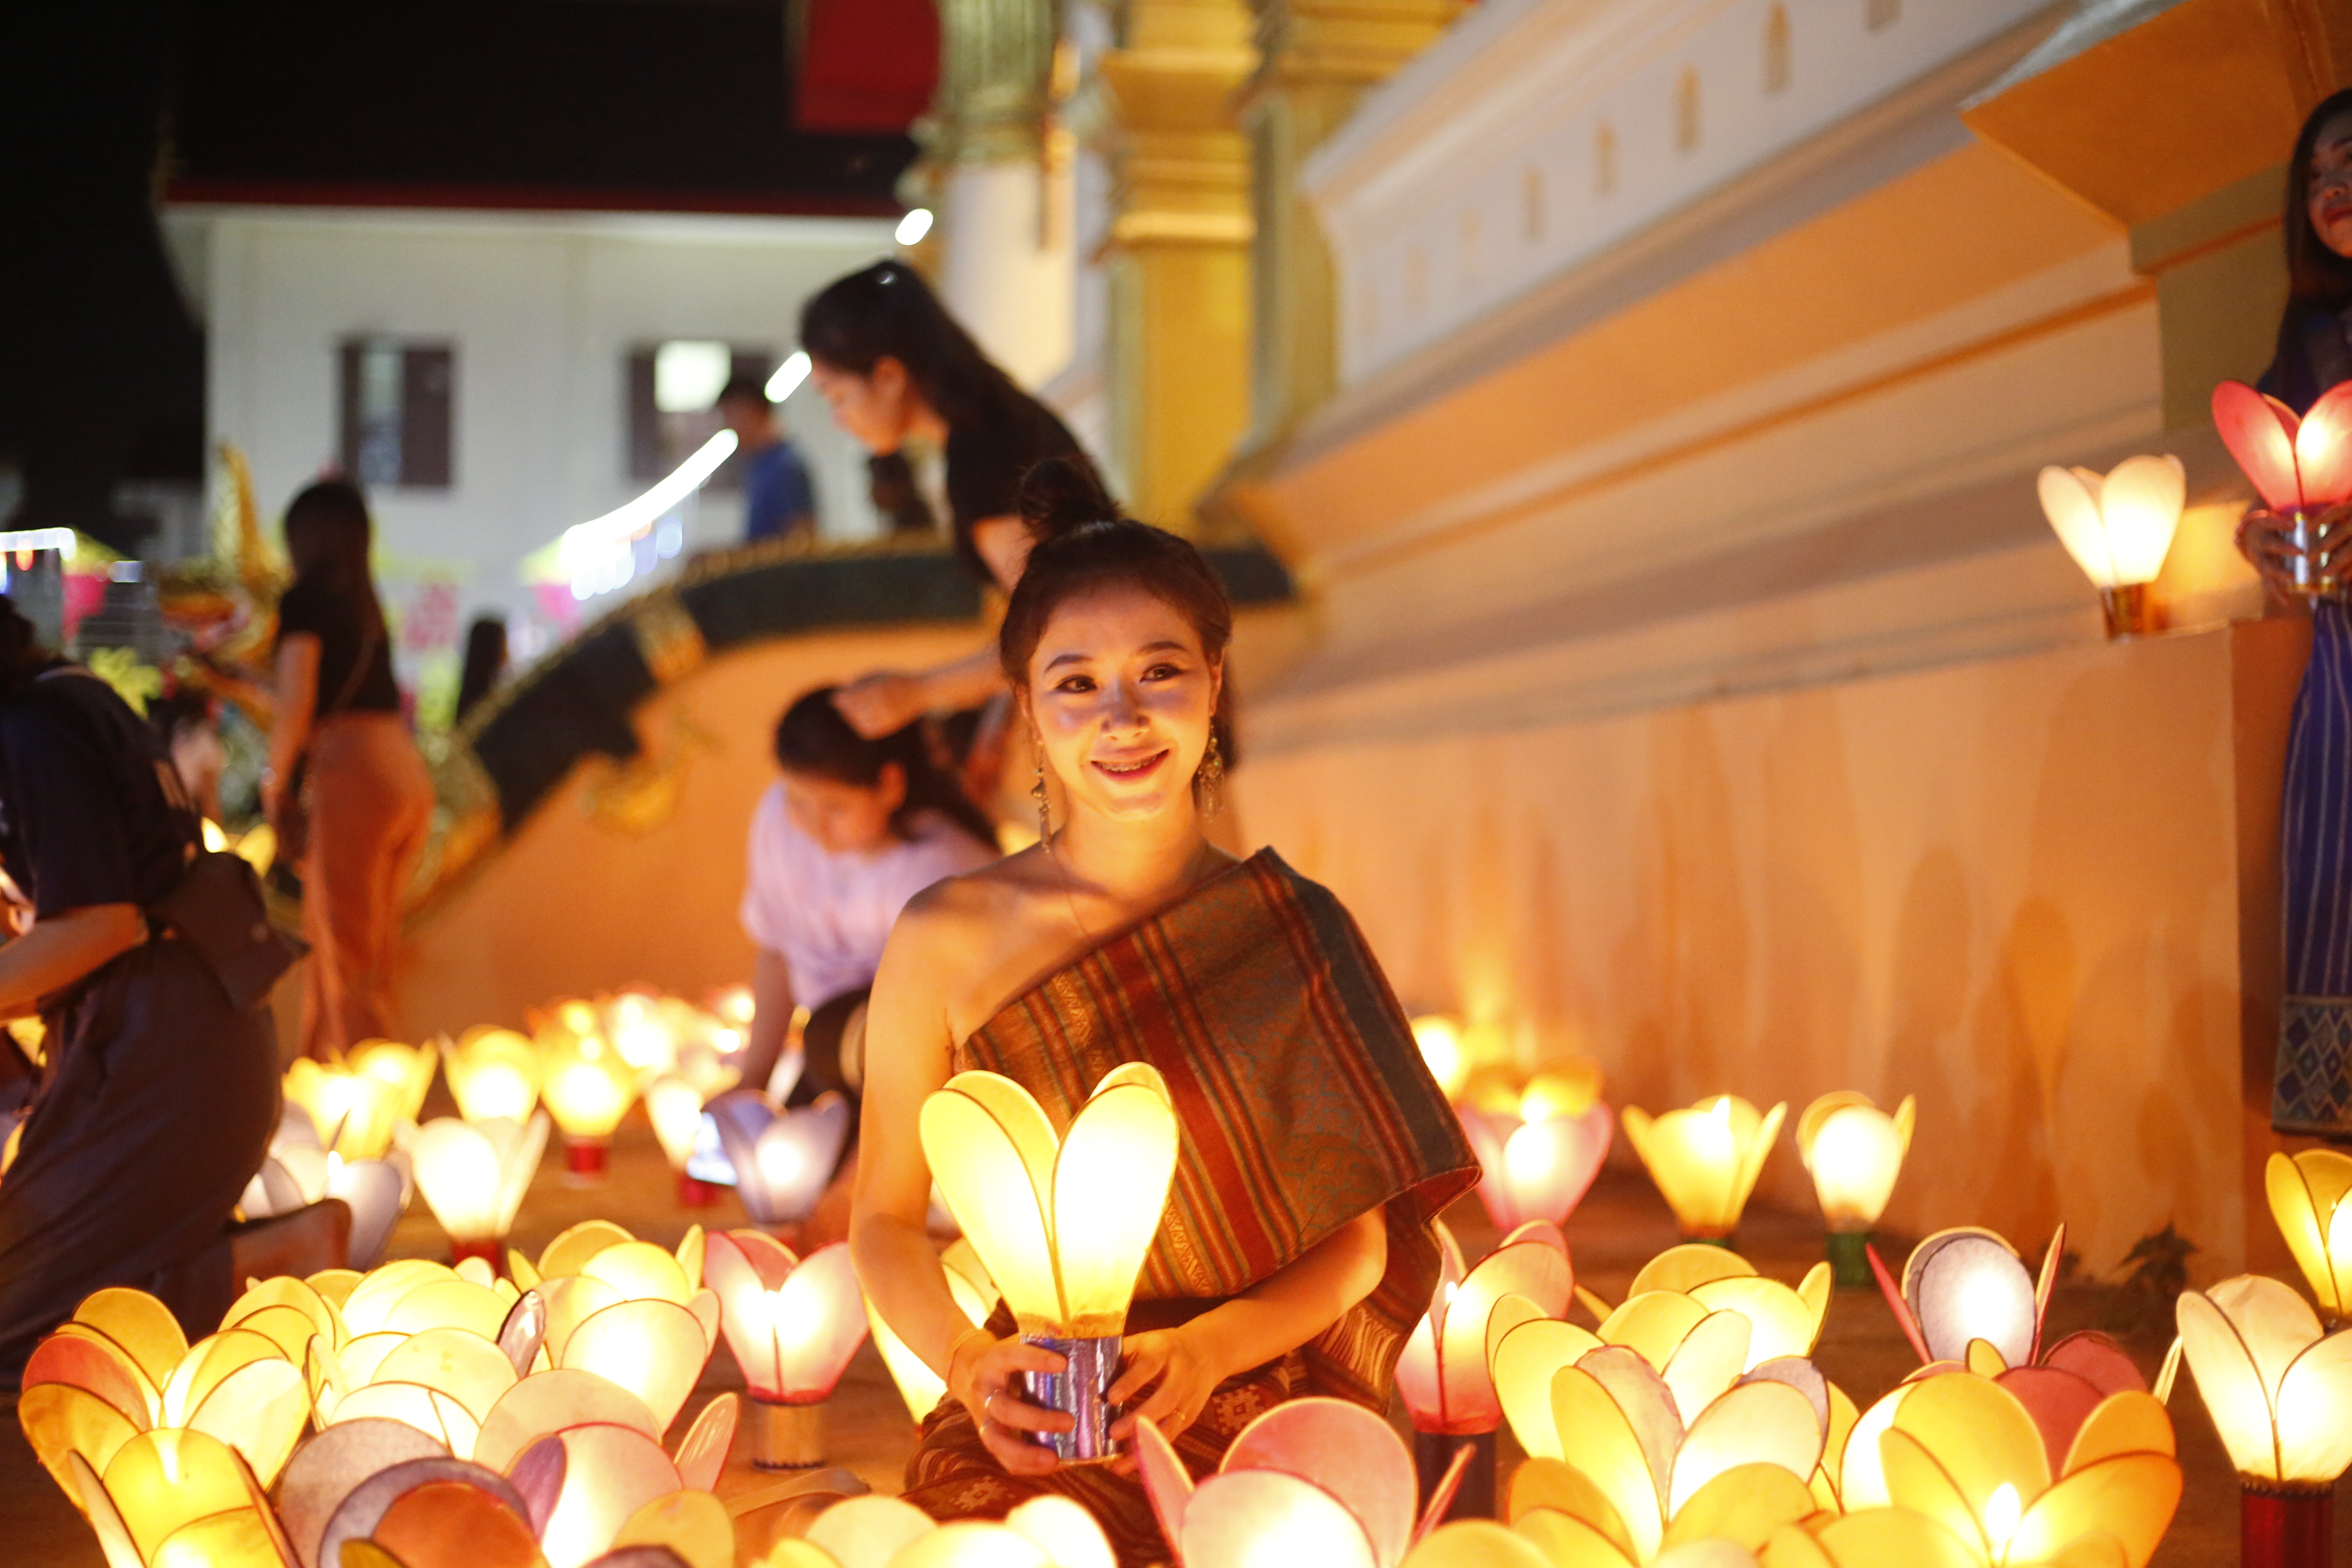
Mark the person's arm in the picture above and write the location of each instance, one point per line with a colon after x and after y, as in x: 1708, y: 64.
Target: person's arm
x: 908, y: 1056
x: 889, y: 699
x: 1277, y: 1314
x: 772, y: 1018
x: 298, y: 692
x: 61, y: 948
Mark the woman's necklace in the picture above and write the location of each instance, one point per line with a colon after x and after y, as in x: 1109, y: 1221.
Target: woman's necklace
x: 1069, y: 880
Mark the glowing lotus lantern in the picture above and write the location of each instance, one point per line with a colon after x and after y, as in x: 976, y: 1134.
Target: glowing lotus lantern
x: 1062, y: 1223
x: 493, y: 1073
x: 1314, y: 1481
x: 587, y: 1088
x: 408, y: 1069
x: 474, y: 1175
x: 297, y: 1172
x: 2118, y: 529
x: 1855, y: 1151
x: 2280, y: 1392
x: 1966, y: 1452
x: 1048, y: 1531
x: 2311, y: 1200
x: 354, y: 1113
x: 1439, y: 1039
x: 1966, y: 1285
x: 1443, y: 1375
x: 647, y: 1030
x: 675, y: 1108
x: 975, y: 1296
x: 793, y: 1323
x: 1705, y: 1159
x: 779, y: 1164
x: 2300, y: 466
x: 1538, y: 1163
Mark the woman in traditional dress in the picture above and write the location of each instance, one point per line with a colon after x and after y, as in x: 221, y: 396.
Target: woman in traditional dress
x: 1295, y: 1252
x: 2312, y: 1086
x: 157, y: 1094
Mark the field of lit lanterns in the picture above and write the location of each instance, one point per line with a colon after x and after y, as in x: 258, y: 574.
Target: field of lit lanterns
x: 592, y: 1316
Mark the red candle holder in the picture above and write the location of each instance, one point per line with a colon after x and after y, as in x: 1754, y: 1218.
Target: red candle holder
x: 487, y: 1249
x: 586, y: 1160
x: 2286, y: 1528
x: 696, y: 1193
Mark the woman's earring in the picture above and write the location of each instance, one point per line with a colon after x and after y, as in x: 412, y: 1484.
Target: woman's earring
x: 1211, y: 778
x: 1038, y: 791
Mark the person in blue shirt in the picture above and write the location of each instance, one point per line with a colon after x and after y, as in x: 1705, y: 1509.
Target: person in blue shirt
x: 778, y: 498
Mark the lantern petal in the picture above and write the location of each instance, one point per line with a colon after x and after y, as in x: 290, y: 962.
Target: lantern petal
x: 2141, y: 505
x: 331, y: 1467
x: 208, y: 1360
x: 141, y: 1326
x: 1981, y: 1435
x: 97, y: 1367
x: 373, y: 1295
x: 239, y: 1538
x: 454, y: 1524
x: 610, y: 1472
x: 1347, y: 1451
x: 2275, y: 1323
x: 1063, y: 1530
x: 2127, y: 1423
x: 368, y: 1504
x: 1110, y: 1188
x: 701, y: 1454
x: 571, y: 1301
x: 2261, y: 435
x: 1744, y: 1504
x: 1537, y: 1270
x: 640, y: 1269
x: 2098, y: 1360
x: 1476, y: 1543
x: 114, y: 1538
x: 1243, y: 1517
x: 2060, y: 1404
x: 164, y: 1478
x: 1570, y: 1541
x: 1652, y: 1324
x: 1780, y: 1321
x: 286, y: 1328
x: 868, y: 1531
x: 818, y: 1325
x: 2130, y: 1497
x: 459, y: 1363
x: 1167, y: 1484
x: 792, y: 1160
x: 1418, y: 1381
x: 2304, y: 1192
x: 358, y: 1360
x: 429, y: 1410
x: 61, y: 1420
x: 1916, y: 1483
x: 1972, y: 1285
x: 452, y: 1303
x: 992, y: 1191
x: 259, y: 1410
x: 653, y: 1348
x: 287, y: 1293
x: 1862, y: 1478
x: 1600, y: 1440
x: 1757, y: 1423
x: 693, y: 1524
x: 573, y: 1248
x: 1024, y: 1122
x: 1509, y: 1313
x: 1547, y: 1486
x: 1709, y: 1362
x: 1648, y: 1406
x: 2323, y: 449
x: 972, y: 1543
x: 547, y: 1403
x: 1685, y: 1268
x: 2315, y: 1413
x: 1881, y: 1535
x: 1523, y: 1361
x: 1546, y: 1167
x: 1754, y: 1149
x: 457, y: 1172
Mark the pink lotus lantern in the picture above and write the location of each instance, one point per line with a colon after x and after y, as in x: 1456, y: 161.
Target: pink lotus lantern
x: 1314, y: 1481
x: 2300, y: 466
x: 793, y: 1323
x: 1443, y: 1373
x: 1538, y: 1164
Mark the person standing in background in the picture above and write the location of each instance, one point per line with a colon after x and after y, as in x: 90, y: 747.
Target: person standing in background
x: 345, y: 788
x: 778, y: 498
x: 485, y: 662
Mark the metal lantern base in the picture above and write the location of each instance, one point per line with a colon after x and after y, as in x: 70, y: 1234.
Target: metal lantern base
x: 2313, y: 564
x: 2286, y: 1530
x: 585, y: 1161
x: 1079, y: 1389
x: 1849, y: 1255
x: 785, y: 1436
x: 488, y: 1251
x: 1433, y: 1452
x: 2128, y: 611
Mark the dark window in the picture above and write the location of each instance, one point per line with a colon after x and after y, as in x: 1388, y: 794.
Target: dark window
x: 671, y: 414
x: 397, y: 412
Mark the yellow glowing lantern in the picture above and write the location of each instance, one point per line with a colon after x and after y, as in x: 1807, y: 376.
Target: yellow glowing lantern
x: 644, y: 1030
x: 2118, y: 529
x: 408, y: 1069
x: 1538, y: 1165
x: 975, y: 1297
x: 257, y: 845
x: 1855, y: 1151
x: 1062, y: 1223
x: 587, y: 1088
x: 1047, y: 1532
x: 474, y: 1175
x: 2311, y: 1200
x: 1439, y: 1039
x: 793, y: 1323
x: 355, y: 1114
x: 296, y: 1173
x: 674, y: 1105
x: 493, y: 1073
x: 1705, y: 1159
x: 1966, y: 1452
x: 2280, y: 1392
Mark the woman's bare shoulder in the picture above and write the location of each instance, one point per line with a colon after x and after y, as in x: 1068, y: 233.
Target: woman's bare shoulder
x: 967, y: 909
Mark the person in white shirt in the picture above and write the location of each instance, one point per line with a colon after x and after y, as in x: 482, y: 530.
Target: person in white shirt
x: 852, y: 830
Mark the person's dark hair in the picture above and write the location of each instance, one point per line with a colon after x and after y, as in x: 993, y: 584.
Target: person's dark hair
x: 1086, y: 545
x: 328, y: 533
x: 886, y: 310
x: 2315, y: 275
x: 185, y: 709
x: 890, y: 481
x: 22, y: 656
x: 814, y: 737
x: 743, y: 389
x: 486, y: 660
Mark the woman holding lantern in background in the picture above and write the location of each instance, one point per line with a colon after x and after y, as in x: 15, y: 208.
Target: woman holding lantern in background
x: 1294, y: 1251
x: 2313, y: 1084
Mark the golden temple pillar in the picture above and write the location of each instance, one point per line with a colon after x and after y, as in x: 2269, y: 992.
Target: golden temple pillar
x: 1317, y: 59
x: 1177, y: 254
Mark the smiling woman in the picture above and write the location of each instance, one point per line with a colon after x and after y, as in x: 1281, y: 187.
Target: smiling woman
x: 1313, y: 1146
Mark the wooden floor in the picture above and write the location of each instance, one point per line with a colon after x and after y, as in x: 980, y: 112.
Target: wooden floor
x: 1621, y: 1225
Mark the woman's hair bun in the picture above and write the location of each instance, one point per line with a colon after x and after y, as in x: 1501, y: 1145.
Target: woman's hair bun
x: 1062, y: 494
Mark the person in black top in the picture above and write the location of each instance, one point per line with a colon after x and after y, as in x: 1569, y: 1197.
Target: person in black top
x: 156, y: 1095
x: 346, y: 786
x: 895, y: 366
